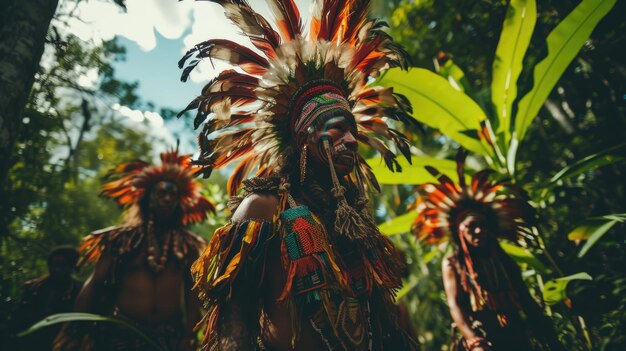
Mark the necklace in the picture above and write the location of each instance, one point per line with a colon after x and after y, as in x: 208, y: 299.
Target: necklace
x: 157, y: 266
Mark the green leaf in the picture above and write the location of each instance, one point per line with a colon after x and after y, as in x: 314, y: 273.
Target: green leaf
x: 523, y: 257
x: 563, y: 44
x: 414, y: 173
x: 593, y: 229
x: 85, y: 317
x: 597, y: 160
x: 455, y: 76
x: 406, y: 287
x: 603, y: 158
x: 437, y: 104
x: 517, y: 30
x: 399, y: 225
x: 431, y: 255
x: 555, y: 290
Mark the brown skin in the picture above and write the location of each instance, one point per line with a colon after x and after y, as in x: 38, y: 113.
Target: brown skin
x: 143, y: 295
x: 238, y: 319
x: 340, y: 131
x: 474, y: 231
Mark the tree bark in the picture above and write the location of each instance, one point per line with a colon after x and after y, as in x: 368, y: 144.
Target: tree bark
x: 23, y: 28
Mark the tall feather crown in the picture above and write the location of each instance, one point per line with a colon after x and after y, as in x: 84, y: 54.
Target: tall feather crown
x: 441, y: 207
x: 250, y: 113
x: 131, y: 182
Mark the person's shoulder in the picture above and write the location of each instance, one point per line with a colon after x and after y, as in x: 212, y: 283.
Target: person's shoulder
x: 256, y: 207
x: 259, y: 201
x: 34, y: 284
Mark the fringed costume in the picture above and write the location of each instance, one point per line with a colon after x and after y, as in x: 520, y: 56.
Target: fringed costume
x: 498, y: 301
x: 130, y: 185
x: 340, y: 273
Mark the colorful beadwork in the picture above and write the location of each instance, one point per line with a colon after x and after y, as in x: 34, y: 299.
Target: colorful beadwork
x: 305, y: 253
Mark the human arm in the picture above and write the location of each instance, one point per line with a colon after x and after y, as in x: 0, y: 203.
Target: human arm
x: 230, y: 271
x: 460, y: 316
x: 90, y: 293
x: 239, y: 314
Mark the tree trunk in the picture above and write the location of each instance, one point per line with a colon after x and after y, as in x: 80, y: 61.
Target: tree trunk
x: 22, y: 38
x: 23, y: 28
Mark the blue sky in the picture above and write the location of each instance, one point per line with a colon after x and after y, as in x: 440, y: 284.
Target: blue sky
x: 156, y: 33
x: 157, y: 73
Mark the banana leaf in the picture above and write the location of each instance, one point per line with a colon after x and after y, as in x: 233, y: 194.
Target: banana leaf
x: 517, y: 30
x: 523, y: 257
x: 399, y: 225
x: 439, y: 105
x: 414, y: 173
x: 563, y: 43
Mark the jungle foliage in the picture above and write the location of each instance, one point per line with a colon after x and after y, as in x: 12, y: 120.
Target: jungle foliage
x: 496, y: 77
x: 512, y: 83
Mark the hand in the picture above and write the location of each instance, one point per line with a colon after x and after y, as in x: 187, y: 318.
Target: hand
x: 478, y: 344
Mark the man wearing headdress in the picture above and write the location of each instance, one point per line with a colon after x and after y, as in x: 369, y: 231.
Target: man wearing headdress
x: 141, y: 274
x: 488, y: 300
x: 301, y: 264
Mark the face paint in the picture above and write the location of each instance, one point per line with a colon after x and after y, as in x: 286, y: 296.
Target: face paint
x: 333, y: 130
x: 340, y: 148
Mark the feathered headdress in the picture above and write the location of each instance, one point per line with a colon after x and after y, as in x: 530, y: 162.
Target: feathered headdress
x: 255, y: 113
x: 441, y: 207
x: 132, y: 181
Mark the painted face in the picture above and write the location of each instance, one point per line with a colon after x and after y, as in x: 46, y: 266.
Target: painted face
x: 164, y: 199
x: 474, y: 230
x: 340, y: 132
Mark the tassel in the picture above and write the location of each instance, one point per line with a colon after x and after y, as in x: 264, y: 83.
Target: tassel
x: 303, y: 155
x: 347, y: 220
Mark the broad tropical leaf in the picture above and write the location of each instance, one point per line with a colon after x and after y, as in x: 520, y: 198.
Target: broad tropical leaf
x: 593, y: 229
x: 437, y: 104
x: 563, y: 43
x: 86, y: 317
x: 455, y: 76
x: 399, y: 225
x: 523, y: 256
x: 517, y: 30
x: 414, y: 173
x: 555, y: 290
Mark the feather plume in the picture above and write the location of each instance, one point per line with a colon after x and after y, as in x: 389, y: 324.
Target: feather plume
x: 287, y: 18
x: 241, y: 172
x: 342, y: 46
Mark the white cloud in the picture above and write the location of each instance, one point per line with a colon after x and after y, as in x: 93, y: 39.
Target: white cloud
x: 99, y: 20
x: 155, y: 125
x: 89, y: 79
